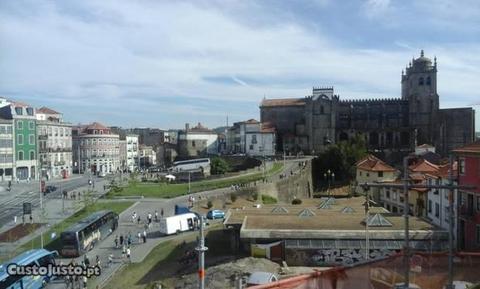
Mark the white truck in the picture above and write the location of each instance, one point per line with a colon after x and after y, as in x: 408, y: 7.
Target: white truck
x: 178, y: 223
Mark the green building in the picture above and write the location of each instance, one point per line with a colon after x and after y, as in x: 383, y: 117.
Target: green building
x: 24, y: 133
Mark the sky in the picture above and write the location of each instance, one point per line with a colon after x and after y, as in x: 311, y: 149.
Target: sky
x: 150, y: 63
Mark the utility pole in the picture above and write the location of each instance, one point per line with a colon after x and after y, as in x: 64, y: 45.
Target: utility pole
x: 450, y: 224
x: 367, y: 216
x: 188, y: 182
x: 201, y: 249
x: 41, y: 213
x: 406, y: 210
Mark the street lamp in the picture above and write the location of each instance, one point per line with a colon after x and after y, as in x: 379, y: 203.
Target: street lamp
x: 330, y: 177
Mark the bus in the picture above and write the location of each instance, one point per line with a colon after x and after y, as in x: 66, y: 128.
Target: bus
x: 83, y: 236
x: 38, y: 257
x: 191, y: 165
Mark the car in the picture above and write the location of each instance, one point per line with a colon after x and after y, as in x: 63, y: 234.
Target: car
x: 215, y: 214
x: 49, y: 189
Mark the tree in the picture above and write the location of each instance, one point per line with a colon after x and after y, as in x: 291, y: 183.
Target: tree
x: 219, y: 166
x: 209, y: 204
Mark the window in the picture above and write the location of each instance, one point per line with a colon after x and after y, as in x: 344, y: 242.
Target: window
x: 29, y: 111
x: 20, y: 139
x: 251, y: 147
x: 429, y: 206
x: 461, y: 168
x: 31, y: 139
x: 380, y: 174
x: 429, y: 81
x: 478, y: 204
x: 437, y: 210
x: 31, y: 125
x: 19, y: 124
x: 254, y: 139
x: 321, y: 109
x: 32, y: 155
x: 420, y: 81
x: 387, y: 193
x: 360, y: 173
x: 18, y: 110
x: 193, y: 143
x: 394, y: 196
x: 368, y: 174
x: 447, y: 214
x: 20, y: 155
x: 478, y: 234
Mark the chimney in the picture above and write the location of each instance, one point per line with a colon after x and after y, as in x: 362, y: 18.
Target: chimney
x: 187, y: 127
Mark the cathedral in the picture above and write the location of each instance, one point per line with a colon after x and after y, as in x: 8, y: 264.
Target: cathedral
x: 311, y: 123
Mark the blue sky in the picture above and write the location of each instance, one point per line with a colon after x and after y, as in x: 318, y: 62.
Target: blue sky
x: 164, y: 63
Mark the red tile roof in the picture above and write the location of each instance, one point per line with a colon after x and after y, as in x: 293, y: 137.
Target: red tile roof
x: 283, y: 102
x: 96, y: 125
x: 424, y: 166
x: 47, y: 110
x: 374, y: 164
x: 471, y: 148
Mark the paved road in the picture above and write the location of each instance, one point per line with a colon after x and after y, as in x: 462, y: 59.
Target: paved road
x: 11, y: 202
x: 126, y: 226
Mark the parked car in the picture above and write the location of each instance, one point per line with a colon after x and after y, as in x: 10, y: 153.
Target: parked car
x: 215, y: 214
x: 49, y: 189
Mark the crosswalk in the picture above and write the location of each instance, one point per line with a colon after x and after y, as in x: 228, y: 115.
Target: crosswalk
x: 13, y: 206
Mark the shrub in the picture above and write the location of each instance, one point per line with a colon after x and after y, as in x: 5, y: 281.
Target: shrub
x: 296, y: 202
x: 266, y: 199
x: 209, y: 204
x: 255, y: 196
x: 219, y: 166
x: 233, y: 198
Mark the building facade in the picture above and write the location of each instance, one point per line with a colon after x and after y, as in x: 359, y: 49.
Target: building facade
x: 95, y: 149
x: 24, y: 139
x: 6, y: 150
x: 54, y: 144
x: 372, y: 169
x: 310, y: 124
x: 469, y: 199
x: 197, y: 141
x: 132, y: 152
x: 251, y: 138
x: 147, y: 157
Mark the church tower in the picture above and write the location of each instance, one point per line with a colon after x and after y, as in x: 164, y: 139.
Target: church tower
x: 419, y: 87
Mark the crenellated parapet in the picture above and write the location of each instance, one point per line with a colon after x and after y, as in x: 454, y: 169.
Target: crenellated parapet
x: 372, y: 100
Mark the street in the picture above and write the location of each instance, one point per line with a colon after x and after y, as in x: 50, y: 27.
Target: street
x: 11, y: 202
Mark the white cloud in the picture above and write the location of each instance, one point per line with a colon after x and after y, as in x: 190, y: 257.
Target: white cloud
x: 99, y: 55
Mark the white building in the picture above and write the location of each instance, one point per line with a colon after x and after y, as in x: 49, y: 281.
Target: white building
x: 437, y: 199
x: 95, y: 149
x: 54, y: 144
x: 251, y: 138
x: 132, y: 152
x: 197, y: 141
x: 6, y: 150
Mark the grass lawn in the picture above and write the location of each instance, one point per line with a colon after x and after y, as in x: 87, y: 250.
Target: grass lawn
x: 163, y: 190
x: 117, y: 207
x: 162, y: 263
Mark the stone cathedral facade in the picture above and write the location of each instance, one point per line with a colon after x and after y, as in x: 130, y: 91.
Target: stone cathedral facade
x: 311, y: 123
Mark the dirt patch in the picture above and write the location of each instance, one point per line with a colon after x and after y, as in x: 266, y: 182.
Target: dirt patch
x: 18, y: 232
x: 223, y: 276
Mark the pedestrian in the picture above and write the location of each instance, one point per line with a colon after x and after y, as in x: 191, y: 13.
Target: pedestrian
x: 87, y: 261
x: 15, y: 220
x: 128, y: 254
x: 97, y: 262
x: 161, y: 213
x: 129, y: 240
x: 124, y: 251
x: 138, y: 220
x: 31, y: 219
x: 144, y: 236
x: 156, y: 216
x: 121, y: 240
x: 139, y: 235
x: 110, y: 260
x: 23, y: 219
x: 149, y: 216
x: 116, y: 241
x: 85, y: 279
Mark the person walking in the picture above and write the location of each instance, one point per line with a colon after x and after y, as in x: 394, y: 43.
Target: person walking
x: 124, y: 251
x: 85, y: 279
x: 144, y: 236
x: 149, y: 216
x: 15, y: 220
x: 161, y: 213
x: 121, y: 240
x: 139, y: 235
x: 156, y: 216
x: 97, y: 262
x: 110, y: 260
x: 128, y: 255
x: 116, y: 241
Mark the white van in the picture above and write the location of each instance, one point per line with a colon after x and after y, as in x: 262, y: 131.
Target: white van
x: 178, y: 223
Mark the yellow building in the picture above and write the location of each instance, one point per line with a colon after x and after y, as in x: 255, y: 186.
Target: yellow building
x: 372, y: 169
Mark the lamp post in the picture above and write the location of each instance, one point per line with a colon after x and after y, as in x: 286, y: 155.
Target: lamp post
x: 330, y: 177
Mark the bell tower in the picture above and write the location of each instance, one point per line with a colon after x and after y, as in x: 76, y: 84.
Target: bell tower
x: 419, y: 87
